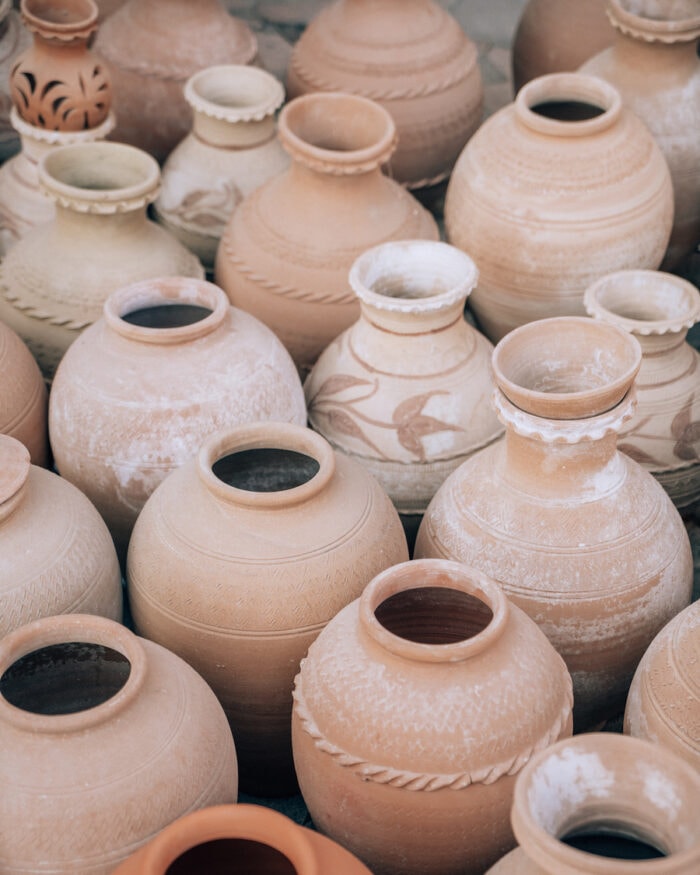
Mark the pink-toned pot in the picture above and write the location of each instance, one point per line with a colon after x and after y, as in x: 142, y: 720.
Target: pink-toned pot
x: 23, y: 397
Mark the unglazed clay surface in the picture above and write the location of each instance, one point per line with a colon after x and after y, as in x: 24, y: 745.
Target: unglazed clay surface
x: 23, y: 397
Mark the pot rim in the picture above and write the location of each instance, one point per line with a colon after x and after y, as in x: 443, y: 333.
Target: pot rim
x: 78, y: 28
x: 231, y: 79
x: 563, y: 87
x: 648, y: 29
x: 14, y: 470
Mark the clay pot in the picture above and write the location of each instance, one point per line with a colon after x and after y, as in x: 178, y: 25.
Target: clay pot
x: 413, y: 713
x: 231, y: 150
x: 239, y: 560
x: 663, y: 705
x: 586, y: 805
x: 23, y: 204
x: 113, y: 730
x: 407, y: 389
x: 241, y: 838
x: 71, y: 567
x: 580, y: 536
x: 54, y: 281
x: 545, y: 206
x: 23, y: 398
x: 14, y: 39
x: 58, y: 83
x: 654, y: 65
x: 658, y: 309
x: 556, y: 36
x: 169, y: 363
x: 286, y: 253
x: 413, y: 58
x: 152, y: 48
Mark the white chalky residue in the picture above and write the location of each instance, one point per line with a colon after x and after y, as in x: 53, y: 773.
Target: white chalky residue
x: 659, y: 789
x: 564, y: 782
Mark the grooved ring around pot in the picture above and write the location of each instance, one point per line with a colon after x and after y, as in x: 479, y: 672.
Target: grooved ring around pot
x: 567, y: 367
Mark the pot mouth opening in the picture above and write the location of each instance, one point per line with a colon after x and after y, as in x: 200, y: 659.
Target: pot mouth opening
x: 265, y: 469
x: 234, y: 91
x: 227, y: 855
x: 614, y: 840
x: 434, y: 615
x: 166, y: 315
x: 568, y: 104
x: 61, y: 16
x: 567, y: 110
x: 65, y: 678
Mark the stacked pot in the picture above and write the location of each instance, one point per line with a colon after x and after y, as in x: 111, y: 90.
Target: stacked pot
x: 256, y: 460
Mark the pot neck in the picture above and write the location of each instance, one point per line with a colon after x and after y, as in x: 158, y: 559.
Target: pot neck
x: 555, y: 459
x: 671, y: 30
x: 37, y: 142
x: 460, y: 597
x: 266, y: 466
x: 223, y: 134
x: 15, y: 465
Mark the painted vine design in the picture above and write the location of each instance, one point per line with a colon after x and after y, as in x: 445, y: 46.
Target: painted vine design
x: 684, y: 430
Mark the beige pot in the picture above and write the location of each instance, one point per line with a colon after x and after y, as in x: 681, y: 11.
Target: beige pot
x: 23, y: 397
x: 239, y: 560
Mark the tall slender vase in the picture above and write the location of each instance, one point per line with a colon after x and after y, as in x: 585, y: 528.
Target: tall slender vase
x: 413, y: 58
x: 232, y: 150
x: 287, y: 251
x: 580, y: 536
x: 658, y: 309
x: 654, y: 65
x: 152, y: 47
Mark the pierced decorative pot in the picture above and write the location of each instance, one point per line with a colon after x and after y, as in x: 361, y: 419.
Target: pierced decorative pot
x: 241, y: 557
x: 553, y: 192
x: 580, y: 536
x: 663, y: 435
x: 232, y: 150
x: 107, y: 738
x: 286, y: 253
x: 415, y: 709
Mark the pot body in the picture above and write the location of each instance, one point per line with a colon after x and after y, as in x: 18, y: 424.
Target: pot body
x: 23, y: 397
x: 55, y: 281
x: 545, y: 206
x: 654, y: 65
x: 580, y: 536
x: 156, y: 745
x: 406, y: 390
x: 226, y: 836
x: 71, y: 568
x: 232, y: 150
x: 555, y: 36
x: 131, y: 403
x: 658, y: 309
x: 152, y: 47
x: 405, y: 726
x: 14, y: 39
x: 664, y: 700
x: 599, y: 785
x: 411, y: 57
x: 239, y: 581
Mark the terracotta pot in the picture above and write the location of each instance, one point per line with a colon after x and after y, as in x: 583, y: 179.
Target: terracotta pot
x: 239, y: 560
x: 609, y: 794
x: 169, y: 363
x: 654, y: 65
x: 23, y: 204
x: 71, y: 567
x: 152, y: 47
x: 545, y: 206
x: 413, y: 58
x: 413, y: 713
x: 244, y: 838
x: 663, y: 705
x: 23, y: 397
x: 14, y: 39
x: 556, y: 36
x: 54, y: 281
x: 108, y: 7
x: 658, y: 309
x: 111, y: 728
x: 231, y: 150
x: 406, y: 390
x: 58, y: 83
x: 580, y: 536
x: 286, y: 253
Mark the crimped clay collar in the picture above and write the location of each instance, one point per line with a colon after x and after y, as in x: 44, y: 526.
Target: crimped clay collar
x: 61, y: 138
x: 645, y: 288
x: 234, y: 93
x: 565, y: 431
x: 80, y: 19
x: 664, y: 30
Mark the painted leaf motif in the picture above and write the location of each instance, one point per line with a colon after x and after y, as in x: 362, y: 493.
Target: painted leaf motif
x: 338, y: 383
x: 638, y: 455
x: 681, y: 420
x: 412, y: 424
x: 342, y: 423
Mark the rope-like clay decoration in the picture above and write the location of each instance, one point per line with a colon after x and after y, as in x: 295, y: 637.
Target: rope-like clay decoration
x: 428, y: 783
x: 44, y: 315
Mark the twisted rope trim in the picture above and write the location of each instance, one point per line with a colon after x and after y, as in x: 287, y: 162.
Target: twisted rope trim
x: 43, y: 315
x: 288, y: 291
x: 422, y: 781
